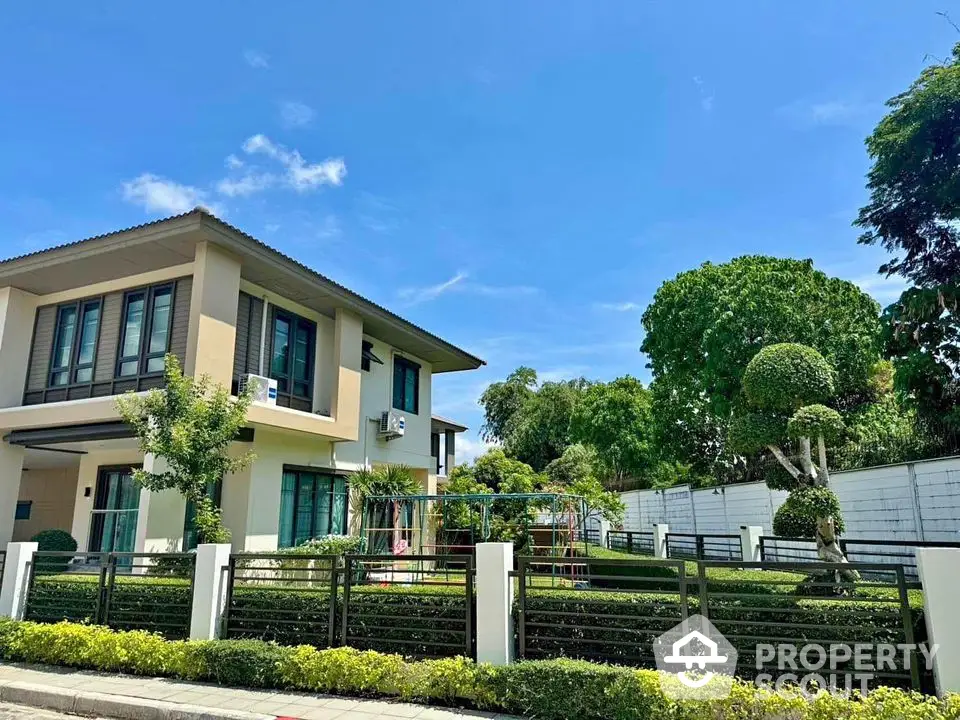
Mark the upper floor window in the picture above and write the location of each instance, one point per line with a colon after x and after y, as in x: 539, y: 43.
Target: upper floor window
x: 367, y: 357
x: 145, y: 339
x: 406, y: 385
x: 74, y: 343
x: 292, y: 357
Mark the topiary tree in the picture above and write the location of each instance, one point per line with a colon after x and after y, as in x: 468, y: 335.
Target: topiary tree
x: 54, y: 540
x: 784, y: 388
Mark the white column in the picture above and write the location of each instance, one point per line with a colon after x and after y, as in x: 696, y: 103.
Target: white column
x: 494, y: 603
x: 209, y: 590
x: 11, y: 470
x: 660, y: 531
x: 16, y: 569
x: 604, y: 531
x: 750, y: 542
x: 941, y: 588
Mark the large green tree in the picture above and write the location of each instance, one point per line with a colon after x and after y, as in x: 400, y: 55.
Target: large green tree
x: 616, y: 420
x: 706, y: 324
x: 914, y: 212
x: 502, y: 402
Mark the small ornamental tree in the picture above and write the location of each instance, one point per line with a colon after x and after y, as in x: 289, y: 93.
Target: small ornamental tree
x: 190, y: 424
x: 785, y: 386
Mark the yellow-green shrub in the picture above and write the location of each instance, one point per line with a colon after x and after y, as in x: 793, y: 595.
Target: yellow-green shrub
x: 545, y: 689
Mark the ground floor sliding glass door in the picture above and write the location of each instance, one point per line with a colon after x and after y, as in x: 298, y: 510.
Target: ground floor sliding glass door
x: 116, y: 502
x: 312, y: 504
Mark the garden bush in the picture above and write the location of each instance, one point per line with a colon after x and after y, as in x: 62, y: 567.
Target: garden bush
x: 546, y: 690
x: 54, y: 541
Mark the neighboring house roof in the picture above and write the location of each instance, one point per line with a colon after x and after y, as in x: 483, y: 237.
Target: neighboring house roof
x: 439, y: 424
x: 58, y: 267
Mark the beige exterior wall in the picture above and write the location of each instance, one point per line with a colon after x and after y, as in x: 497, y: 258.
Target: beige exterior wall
x: 213, y: 314
x: 51, y: 492
x: 17, y: 310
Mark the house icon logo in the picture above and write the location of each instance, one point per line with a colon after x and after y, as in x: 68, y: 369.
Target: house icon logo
x: 695, y: 661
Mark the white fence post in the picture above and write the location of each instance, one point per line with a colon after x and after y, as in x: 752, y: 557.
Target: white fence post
x: 941, y: 588
x: 660, y: 531
x: 209, y: 590
x: 16, y: 568
x: 604, y: 532
x: 494, y: 603
x: 750, y: 542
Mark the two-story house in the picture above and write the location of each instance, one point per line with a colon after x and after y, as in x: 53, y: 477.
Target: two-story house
x: 84, y: 322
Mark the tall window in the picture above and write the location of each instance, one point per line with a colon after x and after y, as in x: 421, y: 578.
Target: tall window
x: 311, y: 505
x: 147, y: 315
x: 406, y: 385
x: 74, y: 343
x: 291, y: 362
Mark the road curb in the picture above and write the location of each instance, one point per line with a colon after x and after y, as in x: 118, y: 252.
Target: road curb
x: 114, y: 706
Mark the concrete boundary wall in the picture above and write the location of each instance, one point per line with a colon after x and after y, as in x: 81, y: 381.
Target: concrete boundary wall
x: 910, y: 501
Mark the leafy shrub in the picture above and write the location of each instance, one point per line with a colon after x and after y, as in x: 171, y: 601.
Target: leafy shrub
x: 797, y: 517
x: 54, y: 541
x: 328, y: 545
x: 547, y: 690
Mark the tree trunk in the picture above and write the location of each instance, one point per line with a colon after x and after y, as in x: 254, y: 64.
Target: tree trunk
x: 828, y: 549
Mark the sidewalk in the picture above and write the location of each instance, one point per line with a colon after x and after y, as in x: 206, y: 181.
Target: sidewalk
x: 141, y: 698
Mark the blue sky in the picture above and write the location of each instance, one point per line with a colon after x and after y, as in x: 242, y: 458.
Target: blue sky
x: 518, y: 177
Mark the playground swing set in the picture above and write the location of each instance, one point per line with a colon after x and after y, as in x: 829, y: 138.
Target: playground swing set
x: 441, y: 527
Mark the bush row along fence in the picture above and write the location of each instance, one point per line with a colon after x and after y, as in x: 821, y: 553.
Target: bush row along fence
x: 124, y: 591
x: 594, y: 608
x: 619, y: 607
x: 420, y: 606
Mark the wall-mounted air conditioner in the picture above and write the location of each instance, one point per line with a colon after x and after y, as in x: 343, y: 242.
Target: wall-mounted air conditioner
x: 392, y: 425
x: 264, y: 389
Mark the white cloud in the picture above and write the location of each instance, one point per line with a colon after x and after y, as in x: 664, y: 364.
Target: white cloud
x: 295, y: 114
x: 158, y: 194
x: 417, y: 295
x: 468, y: 449
x: 299, y: 174
x: 457, y: 283
x: 233, y: 162
x: 883, y: 289
x: 706, y: 96
x: 256, y: 59
x: 829, y: 112
x: 246, y: 185
x: 617, y: 307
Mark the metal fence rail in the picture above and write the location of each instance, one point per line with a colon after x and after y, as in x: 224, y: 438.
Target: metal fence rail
x: 633, y: 542
x: 778, y: 610
x: 590, y: 535
x: 416, y: 605
x: 776, y: 548
x: 613, y: 610
x: 3, y: 562
x: 599, y: 614
x: 289, y: 599
x: 699, y: 546
x: 124, y: 591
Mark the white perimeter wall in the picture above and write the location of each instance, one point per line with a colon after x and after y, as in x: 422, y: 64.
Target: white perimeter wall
x: 912, y: 501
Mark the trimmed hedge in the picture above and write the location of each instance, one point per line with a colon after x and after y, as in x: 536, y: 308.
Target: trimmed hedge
x: 546, y: 690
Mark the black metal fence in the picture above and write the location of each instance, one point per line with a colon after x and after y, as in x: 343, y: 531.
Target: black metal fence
x: 633, y: 542
x: 616, y: 608
x: 694, y: 546
x: 885, y: 552
x: 590, y: 535
x: 415, y: 605
x: 124, y: 591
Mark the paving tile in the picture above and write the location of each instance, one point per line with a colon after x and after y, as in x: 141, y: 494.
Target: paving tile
x: 335, y: 703
x: 389, y: 709
x: 187, y: 697
x: 326, y: 714
x: 438, y: 714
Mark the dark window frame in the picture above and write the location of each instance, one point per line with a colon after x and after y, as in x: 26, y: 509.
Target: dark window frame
x: 367, y: 356
x: 190, y: 534
x: 294, y: 322
x: 80, y: 307
x: 18, y: 513
x: 400, y: 403
x: 143, y: 356
x: 318, y: 473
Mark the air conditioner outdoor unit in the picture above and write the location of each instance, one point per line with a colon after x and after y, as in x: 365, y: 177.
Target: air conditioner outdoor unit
x: 264, y: 389
x: 392, y: 425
